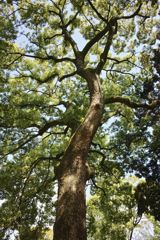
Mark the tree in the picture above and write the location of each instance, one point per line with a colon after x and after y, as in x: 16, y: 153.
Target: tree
x: 148, y: 193
x: 117, y: 217
x: 56, y: 101
x: 144, y: 160
x: 156, y: 225
x: 111, y: 215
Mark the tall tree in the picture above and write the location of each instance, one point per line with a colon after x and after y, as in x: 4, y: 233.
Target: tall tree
x: 56, y: 99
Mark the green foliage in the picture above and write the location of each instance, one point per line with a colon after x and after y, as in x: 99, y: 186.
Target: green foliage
x: 112, y: 215
x: 156, y: 225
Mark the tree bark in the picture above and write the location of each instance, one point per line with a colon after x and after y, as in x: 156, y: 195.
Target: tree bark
x: 73, y: 170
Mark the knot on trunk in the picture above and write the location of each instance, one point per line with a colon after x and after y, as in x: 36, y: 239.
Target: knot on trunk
x: 91, y: 171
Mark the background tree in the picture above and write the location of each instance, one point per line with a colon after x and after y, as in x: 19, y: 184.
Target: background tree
x: 111, y: 214
x: 144, y: 160
x: 56, y: 99
x: 150, y: 191
x: 156, y: 225
x: 117, y: 217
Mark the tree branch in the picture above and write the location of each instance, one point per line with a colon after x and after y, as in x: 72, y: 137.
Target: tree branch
x: 65, y: 32
x: 131, y: 104
x: 72, y: 20
x: 103, y: 56
x: 33, y: 165
x: 98, y: 14
x: 65, y: 104
x: 40, y: 133
x: 130, y: 16
x: 140, y: 15
x: 72, y: 42
x: 103, y: 166
x: 111, y: 115
x: 49, y: 125
x: 121, y: 61
x: 111, y: 23
x: 98, y: 187
x: 55, y: 35
x: 35, y: 125
x: 21, y: 145
x: 42, y: 58
x: 108, y: 11
x: 38, y: 79
x: 56, y: 158
x: 94, y: 40
x: 67, y: 75
x: 8, y: 65
x: 110, y: 70
x: 106, y: 149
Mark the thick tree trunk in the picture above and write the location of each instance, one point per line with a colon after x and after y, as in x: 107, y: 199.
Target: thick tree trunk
x: 71, y: 207
x: 73, y: 173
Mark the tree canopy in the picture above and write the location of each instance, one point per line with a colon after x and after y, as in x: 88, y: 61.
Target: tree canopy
x: 79, y: 79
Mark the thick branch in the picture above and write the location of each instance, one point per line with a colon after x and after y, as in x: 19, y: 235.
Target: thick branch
x: 72, y: 123
x: 94, y: 40
x: 72, y: 42
x: 103, y: 56
x: 131, y: 104
x: 49, y: 125
x: 35, y: 125
x: 106, y: 29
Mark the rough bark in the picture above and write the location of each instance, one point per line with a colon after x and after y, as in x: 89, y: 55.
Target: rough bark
x: 73, y: 170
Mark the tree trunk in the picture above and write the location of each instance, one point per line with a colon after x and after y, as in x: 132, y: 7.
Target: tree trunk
x: 71, y: 207
x: 73, y: 173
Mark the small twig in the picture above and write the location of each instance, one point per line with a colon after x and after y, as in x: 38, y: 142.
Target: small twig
x: 98, y: 187
x: 111, y: 70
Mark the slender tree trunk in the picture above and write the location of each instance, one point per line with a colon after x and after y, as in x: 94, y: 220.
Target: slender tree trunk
x: 73, y: 173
